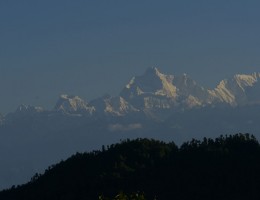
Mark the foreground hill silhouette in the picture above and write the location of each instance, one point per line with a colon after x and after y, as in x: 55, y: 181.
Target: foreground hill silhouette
x: 224, y: 168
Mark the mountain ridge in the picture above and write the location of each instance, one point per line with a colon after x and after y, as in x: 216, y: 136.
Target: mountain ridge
x: 155, y: 90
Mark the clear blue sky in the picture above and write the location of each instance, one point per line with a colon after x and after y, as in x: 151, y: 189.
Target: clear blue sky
x: 92, y: 47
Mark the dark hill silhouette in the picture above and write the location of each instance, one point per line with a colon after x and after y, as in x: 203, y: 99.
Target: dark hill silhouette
x: 224, y: 168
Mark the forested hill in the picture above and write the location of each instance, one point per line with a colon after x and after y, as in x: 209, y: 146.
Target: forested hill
x: 227, y: 167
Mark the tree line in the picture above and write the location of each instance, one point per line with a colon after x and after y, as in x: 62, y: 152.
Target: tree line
x: 227, y: 167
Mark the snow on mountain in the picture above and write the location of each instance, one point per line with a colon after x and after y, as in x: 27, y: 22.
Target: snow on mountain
x: 187, y: 87
x: 236, y: 91
x: 73, y: 104
x: 154, y: 90
x: 109, y: 105
x: 23, y: 112
x: 246, y: 80
x: 152, y: 82
x: 150, y: 90
x: 157, y: 90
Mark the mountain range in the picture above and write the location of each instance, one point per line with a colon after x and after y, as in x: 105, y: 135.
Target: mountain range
x: 153, y: 105
x: 155, y: 90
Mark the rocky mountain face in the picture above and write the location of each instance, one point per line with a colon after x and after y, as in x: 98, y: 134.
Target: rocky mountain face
x: 153, y: 105
x: 114, y: 106
x: 156, y: 90
x: 240, y: 90
x: 73, y: 104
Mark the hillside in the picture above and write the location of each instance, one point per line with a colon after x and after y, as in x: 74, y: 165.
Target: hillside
x: 224, y: 168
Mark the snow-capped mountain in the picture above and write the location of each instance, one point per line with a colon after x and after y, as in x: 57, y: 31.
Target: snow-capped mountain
x: 151, y: 90
x: 115, y: 106
x: 157, y: 90
x: 22, y: 112
x: 73, y: 104
x: 154, y: 92
x: 240, y: 90
x: 189, y: 92
x: 152, y: 82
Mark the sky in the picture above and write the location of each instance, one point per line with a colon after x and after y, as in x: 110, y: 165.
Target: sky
x: 93, y: 47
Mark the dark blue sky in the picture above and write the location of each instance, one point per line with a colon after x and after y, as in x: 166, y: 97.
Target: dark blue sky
x: 92, y: 47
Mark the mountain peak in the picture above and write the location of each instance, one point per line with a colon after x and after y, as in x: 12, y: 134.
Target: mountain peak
x: 152, y: 82
x: 244, y: 80
x: 152, y: 70
x: 70, y: 103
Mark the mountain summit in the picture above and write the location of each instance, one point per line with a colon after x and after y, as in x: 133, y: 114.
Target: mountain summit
x: 152, y: 82
x: 158, y: 90
x: 240, y: 90
x: 72, y: 104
